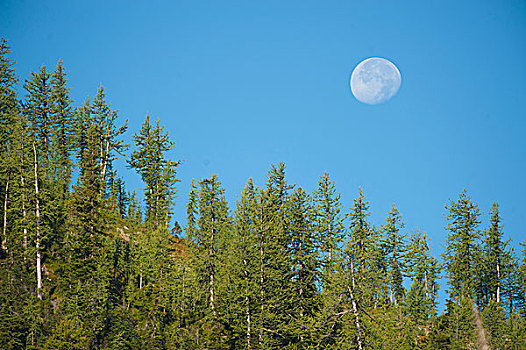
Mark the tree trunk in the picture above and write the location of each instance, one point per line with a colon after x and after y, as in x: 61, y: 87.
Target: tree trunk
x: 355, y: 310
x: 425, y: 283
x: 104, y: 161
x: 37, y: 216
x: 391, y: 296
x: 4, y: 233
x: 211, y: 257
x: 330, y: 240
x: 24, y: 213
x: 247, y: 305
x: 498, y: 280
x: 261, y: 276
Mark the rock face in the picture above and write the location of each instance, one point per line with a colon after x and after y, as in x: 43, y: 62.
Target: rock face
x: 482, y: 336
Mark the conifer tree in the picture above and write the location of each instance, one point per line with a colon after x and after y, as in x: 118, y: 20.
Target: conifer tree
x: 103, y: 121
x: 423, y: 268
x: 63, y: 121
x: 134, y: 213
x: 360, y: 259
x: 37, y: 108
x: 460, y: 323
x: 9, y: 119
x: 208, y: 232
x: 329, y: 226
x: 494, y: 250
x: 157, y: 172
x: 275, y: 267
x: 328, y: 223
x: 394, y: 253
x: 243, y: 267
x: 363, y: 253
x: 463, y: 219
x: 16, y: 281
x: 81, y: 269
x: 305, y: 301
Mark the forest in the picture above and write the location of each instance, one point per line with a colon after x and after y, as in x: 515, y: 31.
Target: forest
x: 87, y: 264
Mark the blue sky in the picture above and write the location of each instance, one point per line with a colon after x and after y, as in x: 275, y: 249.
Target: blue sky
x: 242, y: 85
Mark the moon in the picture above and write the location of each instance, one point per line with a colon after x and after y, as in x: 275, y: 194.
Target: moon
x: 375, y: 80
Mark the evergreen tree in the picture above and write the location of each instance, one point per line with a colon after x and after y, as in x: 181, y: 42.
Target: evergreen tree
x: 305, y: 300
x: 494, y: 318
x: 363, y: 253
x: 423, y: 268
x: 157, y: 172
x: 103, y: 121
x: 37, y: 108
x: 361, y: 259
x: 328, y: 223
x: 494, y: 250
x: 9, y: 123
x: 81, y: 269
x: 134, y: 213
x: 209, y: 238
x: 394, y: 253
x: 275, y: 288
x: 460, y: 323
x: 62, y: 117
x: 463, y: 220
x: 243, y: 270
x: 329, y: 226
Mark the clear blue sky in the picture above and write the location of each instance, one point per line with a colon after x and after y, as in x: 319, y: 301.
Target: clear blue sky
x: 242, y: 85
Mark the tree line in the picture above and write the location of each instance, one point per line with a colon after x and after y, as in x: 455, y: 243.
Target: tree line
x: 86, y: 264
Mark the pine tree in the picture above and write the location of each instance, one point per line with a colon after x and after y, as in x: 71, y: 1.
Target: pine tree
x: 9, y: 123
x: 423, y: 268
x: 62, y: 117
x: 305, y: 301
x: 157, y: 172
x: 360, y: 258
x: 461, y: 324
x: 275, y: 289
x: 463, y: 221
x: 134, y: 213
x: 328, y: 224
x: 209, y: 233
x: 363, y: 253
x: 494, y: 249
x: 243, y: 270
x: 37, y: 108
x: 494, y: 318
x: 394, y: 253
x: 330, y: 231
x: 102, y: 119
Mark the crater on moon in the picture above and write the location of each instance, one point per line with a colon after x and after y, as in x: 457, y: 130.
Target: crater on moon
x: 375, y: 80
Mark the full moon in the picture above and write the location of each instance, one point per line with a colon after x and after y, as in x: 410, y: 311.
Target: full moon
x: 375, y: 80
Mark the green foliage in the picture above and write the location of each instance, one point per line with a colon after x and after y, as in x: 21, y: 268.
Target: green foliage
x: 157, y: 172
x: 363, y: 254
x: 463, y: 219
x: 81, y: 268
x: 494, y: 318
x: 328, y: 223
x: 461, y: 325
x: 394, y: 253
